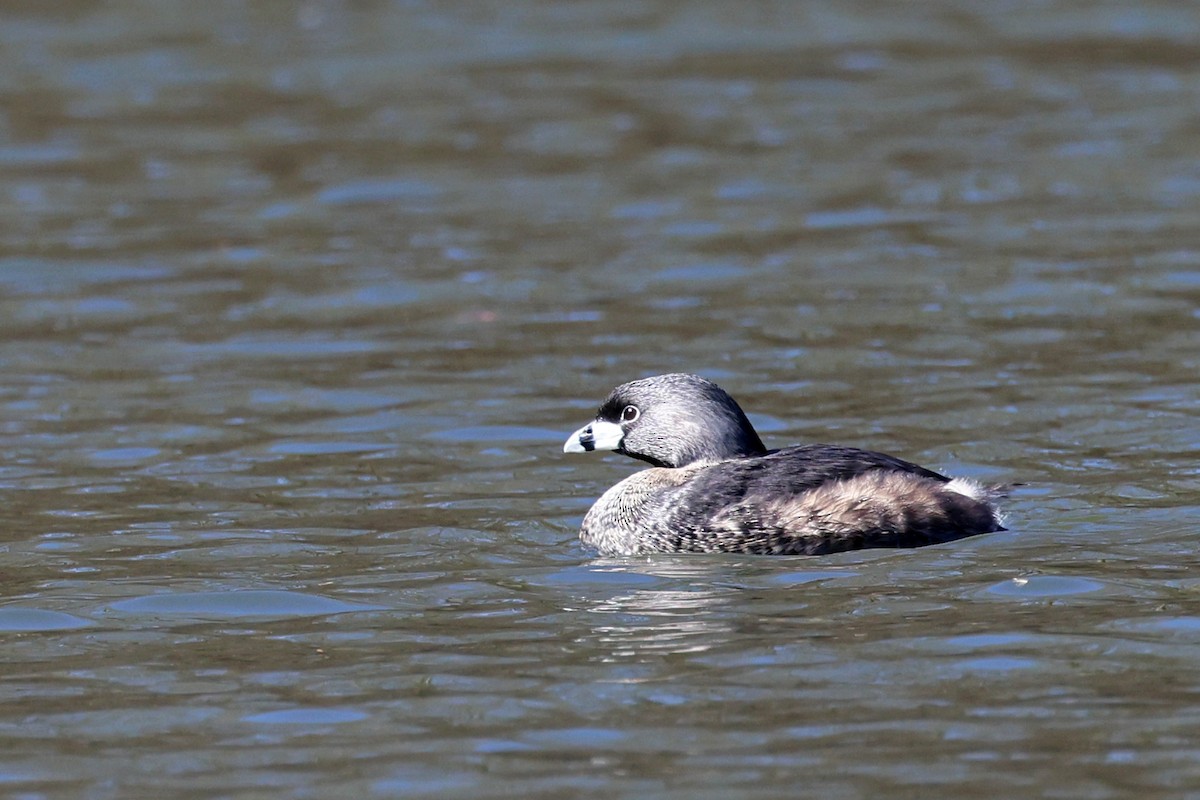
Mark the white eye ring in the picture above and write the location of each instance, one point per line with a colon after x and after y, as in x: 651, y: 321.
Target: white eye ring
x: 630, y: 413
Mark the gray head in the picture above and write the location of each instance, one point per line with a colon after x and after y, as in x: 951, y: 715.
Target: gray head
x: 670, y: 421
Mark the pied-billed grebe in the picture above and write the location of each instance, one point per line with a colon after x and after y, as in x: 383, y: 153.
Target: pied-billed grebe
x: 716, y: 488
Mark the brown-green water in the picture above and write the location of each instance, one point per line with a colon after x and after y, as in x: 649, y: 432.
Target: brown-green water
x: 298, y: 302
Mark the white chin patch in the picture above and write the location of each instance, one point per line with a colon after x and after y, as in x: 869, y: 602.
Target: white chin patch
x: 608, y: 435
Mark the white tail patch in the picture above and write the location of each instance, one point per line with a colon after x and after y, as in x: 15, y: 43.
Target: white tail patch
x: 972, y: 489
x: 988, y: 495
x: 977, y: 491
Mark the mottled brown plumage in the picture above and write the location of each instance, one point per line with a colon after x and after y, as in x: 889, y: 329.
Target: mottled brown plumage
x: 715, y: 488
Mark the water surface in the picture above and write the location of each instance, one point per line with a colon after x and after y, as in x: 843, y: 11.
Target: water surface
x: 298, y: 303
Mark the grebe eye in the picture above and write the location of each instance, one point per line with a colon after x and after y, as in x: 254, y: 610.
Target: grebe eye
x: 630, y: 414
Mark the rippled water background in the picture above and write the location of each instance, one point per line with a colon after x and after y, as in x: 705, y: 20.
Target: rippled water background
x: 299, y: 300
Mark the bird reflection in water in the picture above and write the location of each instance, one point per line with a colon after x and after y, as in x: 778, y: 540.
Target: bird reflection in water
x: 674, y: 620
